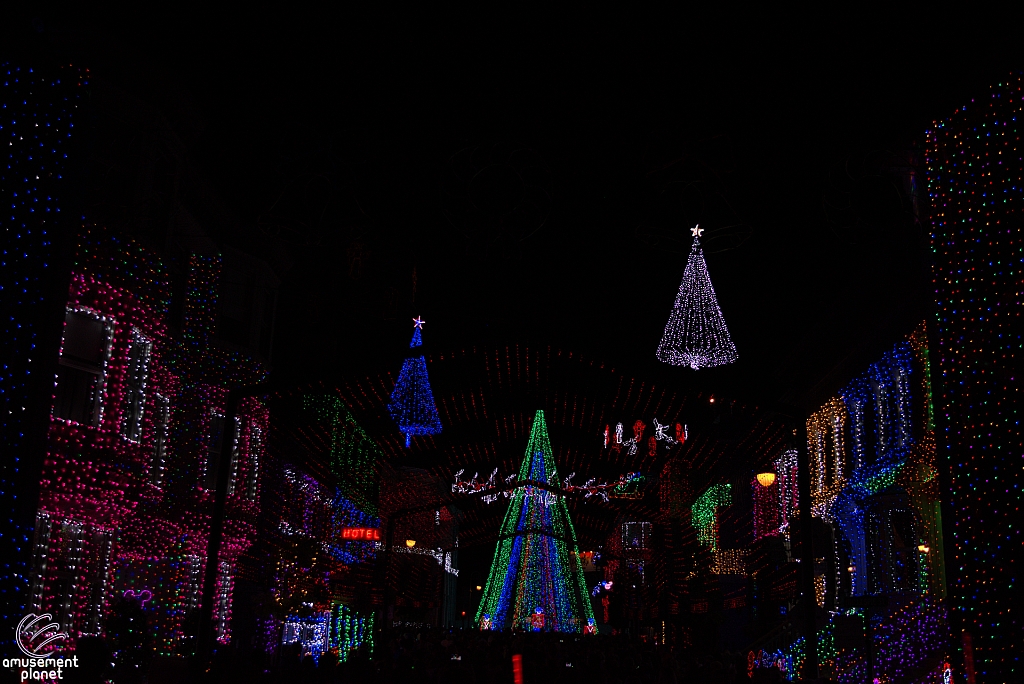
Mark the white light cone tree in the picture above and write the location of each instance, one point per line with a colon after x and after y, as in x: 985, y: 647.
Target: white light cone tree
x: 696, y: 334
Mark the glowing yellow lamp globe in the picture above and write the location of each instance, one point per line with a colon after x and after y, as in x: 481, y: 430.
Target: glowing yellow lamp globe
x: 766, y: 479
x: 410, y: 543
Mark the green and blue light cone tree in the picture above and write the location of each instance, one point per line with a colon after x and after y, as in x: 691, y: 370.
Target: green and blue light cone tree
x: 536, y: 579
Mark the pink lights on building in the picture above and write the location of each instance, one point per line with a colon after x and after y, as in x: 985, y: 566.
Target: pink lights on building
x: 124, y: 500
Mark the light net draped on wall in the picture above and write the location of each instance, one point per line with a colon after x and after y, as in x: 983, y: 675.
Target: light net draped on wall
x: 975, y: 181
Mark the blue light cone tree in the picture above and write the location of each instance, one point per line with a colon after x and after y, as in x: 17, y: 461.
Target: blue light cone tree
x: 412, y: 404
x: 696, y: 334
x: 536, y: 564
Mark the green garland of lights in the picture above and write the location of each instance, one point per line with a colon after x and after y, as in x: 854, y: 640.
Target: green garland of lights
x: 350, y: 630
x: 826, y: 647
x: 704, y: 513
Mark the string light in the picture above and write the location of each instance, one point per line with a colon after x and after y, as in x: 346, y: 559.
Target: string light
x: 85, y: 497
x: 536, y: 563
x: 789, y: 494
x: 661, y: 433
x: 314, y: 511
x: 696, y: 334
x: 105, y: 520
x: 872, y: 463
x: 626, y: 487
x: 223, y: 590
x: 311, y: 633
x: 443, y: 558
x: 730, y: 562
x: 354, y: 454
x: 975, y: 182
x: 351, y: 630
x: 825, y: 436
x: 790, y: 659
x: 913, y: 635
x: 883, y: 451
x: 319, y: 534
x: 704, y: 513
x: 36, y: 129
x: 412, y: 403
x: 766, y: 506
x: 819, y: 590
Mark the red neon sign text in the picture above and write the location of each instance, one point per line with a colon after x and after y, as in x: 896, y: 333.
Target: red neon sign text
x: 366, y: 533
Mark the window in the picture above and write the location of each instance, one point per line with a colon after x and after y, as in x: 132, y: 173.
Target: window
x: 904, y: 411
x: 891, y: 533
x: 83, y: 360
x: 102, y: 552
x: 213, y: 451
x: 234, y: 459
x: 255, y: 449
x: 135, y: 386
x: 162, y: 421
x: 68, y: 556
x: 222, y: 607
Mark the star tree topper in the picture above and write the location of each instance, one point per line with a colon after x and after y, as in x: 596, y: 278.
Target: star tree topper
x: 697, y: 230
x: 418, y: 322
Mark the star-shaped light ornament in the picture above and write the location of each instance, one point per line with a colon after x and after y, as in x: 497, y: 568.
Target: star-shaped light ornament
x: 418, y: 322
x: 697, y: 230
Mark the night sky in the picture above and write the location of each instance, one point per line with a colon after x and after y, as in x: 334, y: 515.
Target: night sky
x: 540, y: 173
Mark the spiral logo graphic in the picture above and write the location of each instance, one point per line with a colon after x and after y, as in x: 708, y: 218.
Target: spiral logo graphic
x: 33, y: 637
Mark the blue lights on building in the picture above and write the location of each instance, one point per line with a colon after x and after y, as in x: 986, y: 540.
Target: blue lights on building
x: 37, y: 110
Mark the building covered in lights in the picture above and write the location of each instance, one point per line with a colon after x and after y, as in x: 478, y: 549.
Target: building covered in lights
x: 136, y: 427
x: 134, y: 310
x: 309, y: 578
x: 976, y: 185
x: 875, y: 485
x: 139, y: 324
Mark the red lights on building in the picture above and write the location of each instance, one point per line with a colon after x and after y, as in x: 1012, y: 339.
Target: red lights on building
x: 361, y: 533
